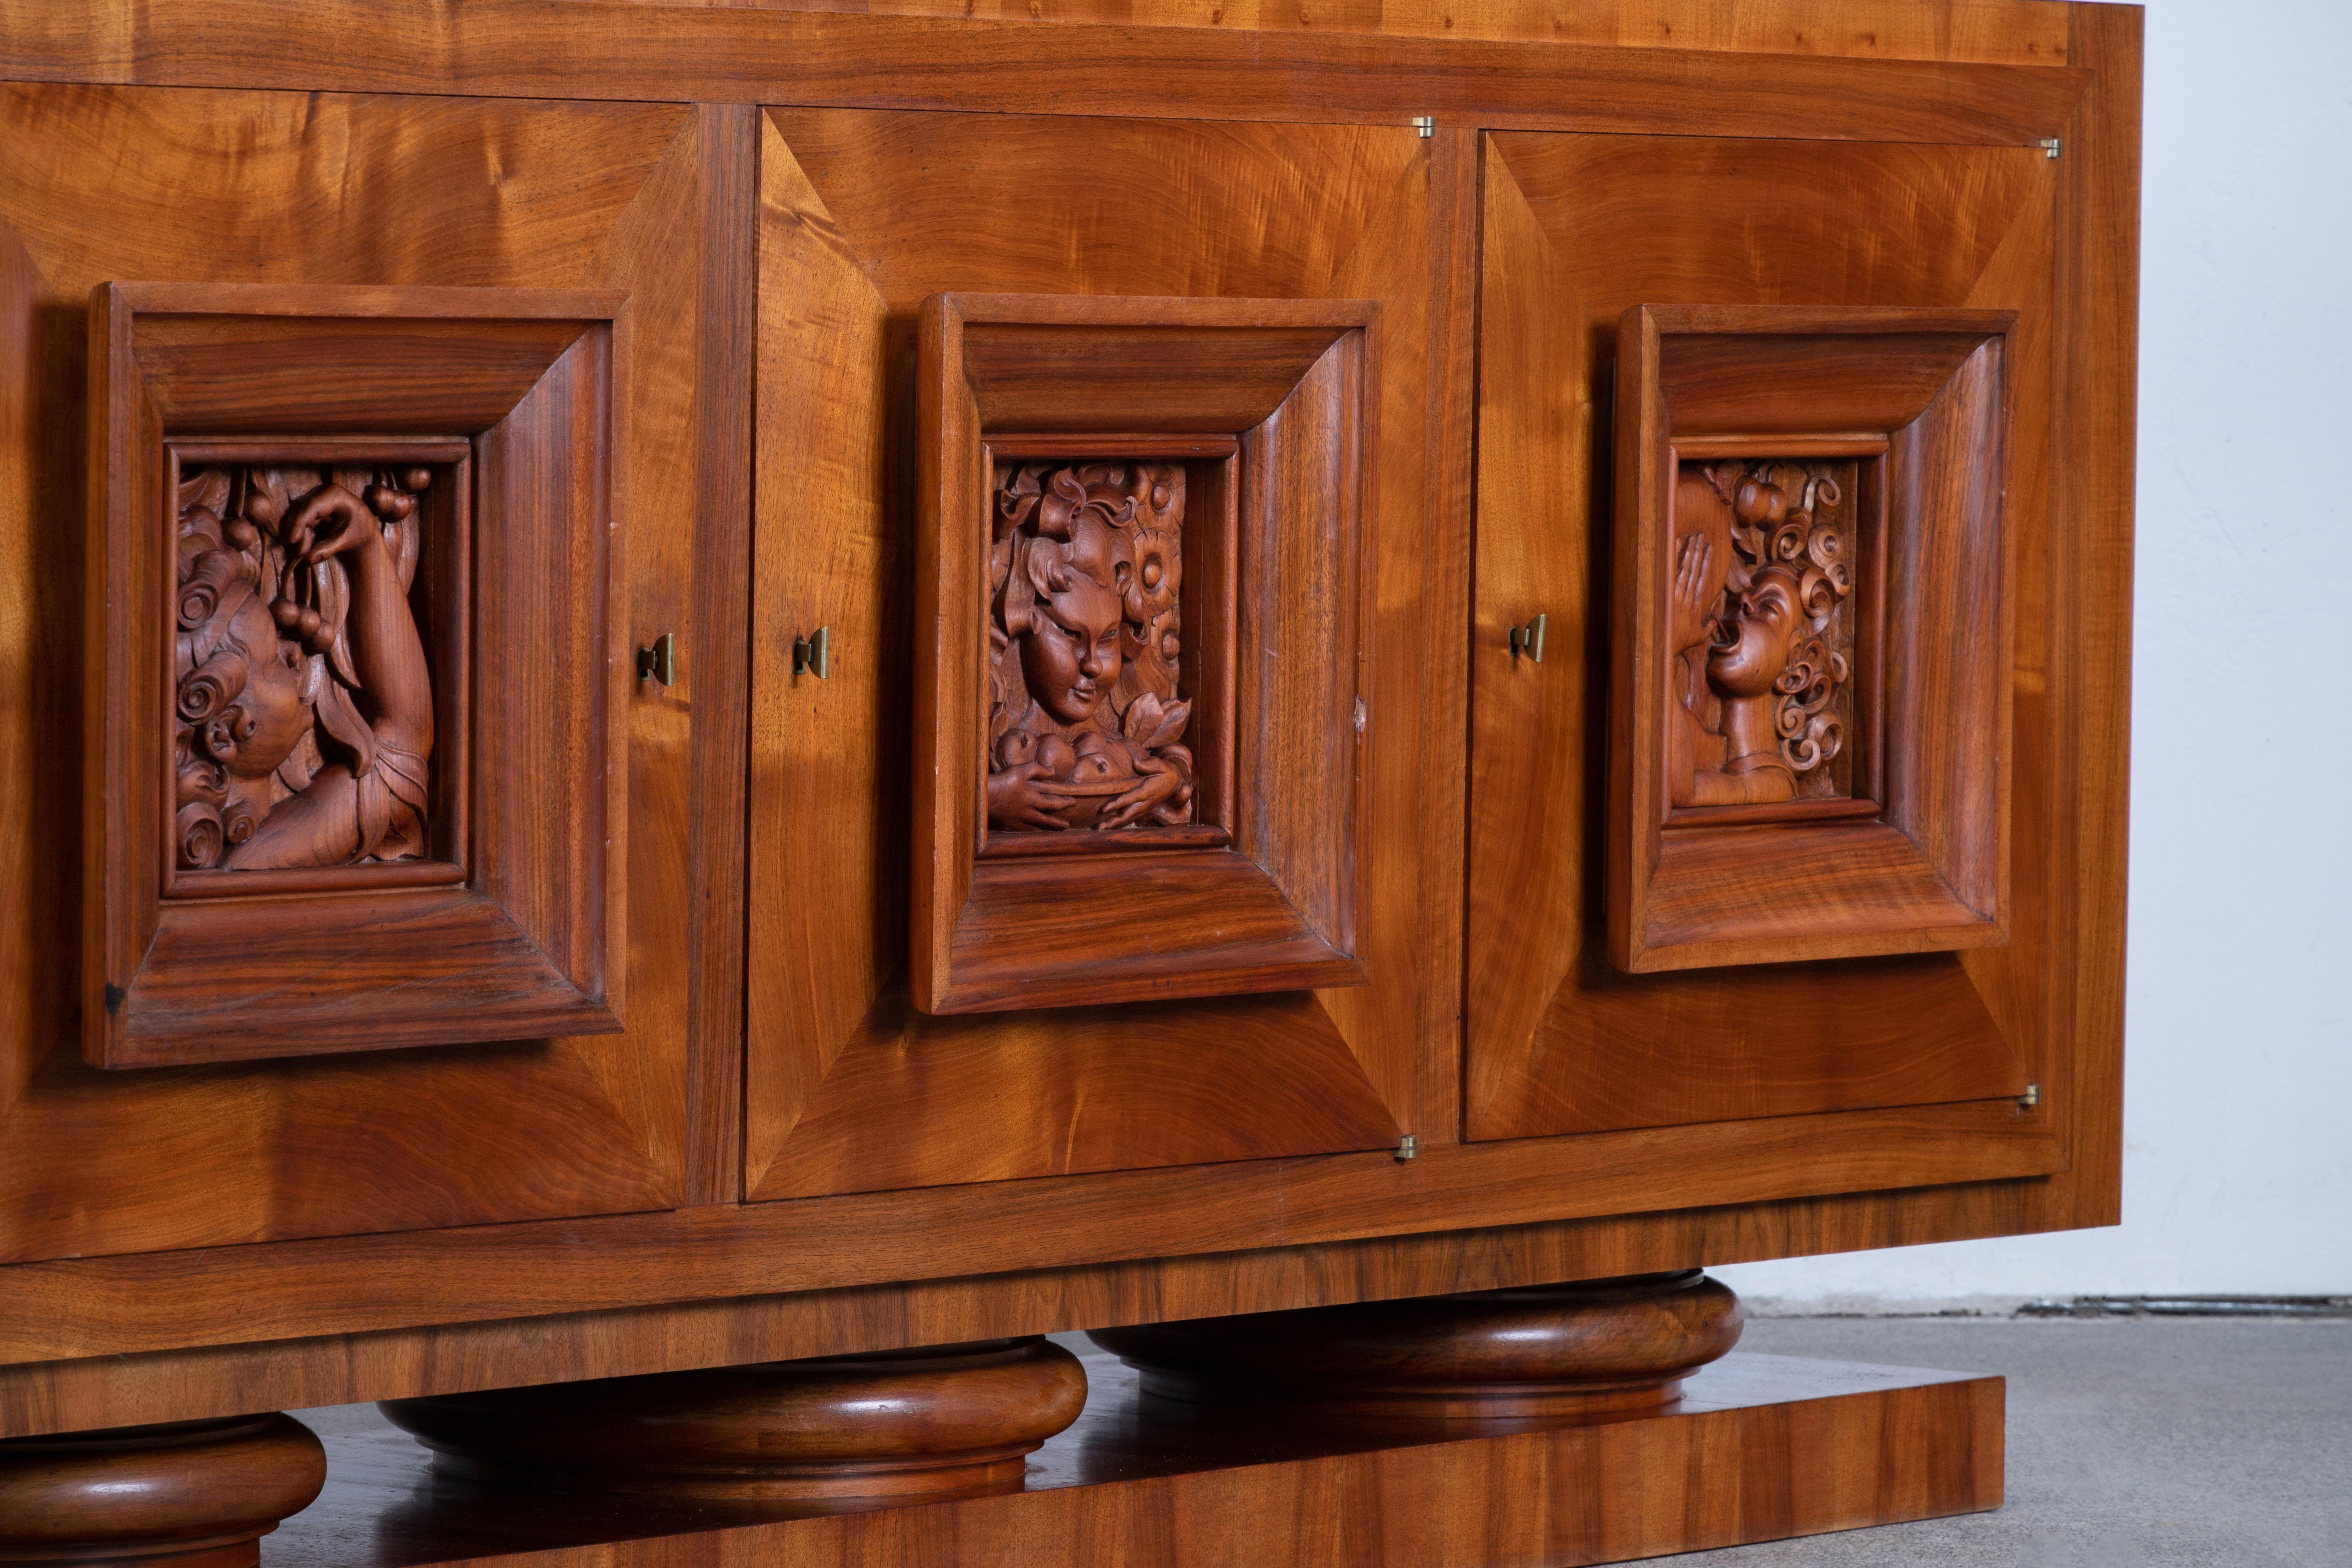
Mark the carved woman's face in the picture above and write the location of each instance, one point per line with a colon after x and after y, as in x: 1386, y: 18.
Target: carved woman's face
x: 1751, y: 648
x: 1070, y: 654
x: 274, y: 715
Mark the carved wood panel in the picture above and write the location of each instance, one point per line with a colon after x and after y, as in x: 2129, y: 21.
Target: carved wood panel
x: 1766, y: 662
x: 1109, y: 656
x: 1063, y: 571
x: 294, y: 705
x: 318, y: 655
x: 1730, y: 644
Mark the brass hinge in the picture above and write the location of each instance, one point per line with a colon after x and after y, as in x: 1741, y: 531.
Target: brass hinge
x: 1426, y: 124
x: 1404, y: 1149
x: 2032, y: 1097
x: 2052, y: 146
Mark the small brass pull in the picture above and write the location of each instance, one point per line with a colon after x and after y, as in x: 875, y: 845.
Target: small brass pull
x: 659, y: 662
x: 1528, y: 639
x: 813, y: 653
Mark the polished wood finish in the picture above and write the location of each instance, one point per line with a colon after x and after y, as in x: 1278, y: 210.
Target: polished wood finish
x: 525, y: 939
x: 947, y: 1420
x: 1596, y: 1348
x: 1760, y: 1447
x: 1931, y: 870
x: 889, y: 1241
x: 194, y: 1494
x: 1175, y: 1155
x: 1559, y: 1038
x: 1273, y: 910
x: 101, y: 183
x: 851, y: 1087
x: 512, y: 49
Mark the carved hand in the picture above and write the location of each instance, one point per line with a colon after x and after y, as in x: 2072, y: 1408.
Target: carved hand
x: 1687, y: 604
x: 1159, y: 782
x: 332, y: 522
x: 1024, y: 795
x: 390, y: 659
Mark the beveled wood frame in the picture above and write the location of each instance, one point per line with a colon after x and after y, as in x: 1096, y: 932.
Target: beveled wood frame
x: 521, y: 938
x: 1925, y: 868
x: 1274, y: 909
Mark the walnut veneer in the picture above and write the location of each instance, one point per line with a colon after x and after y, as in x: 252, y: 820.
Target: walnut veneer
x: 1179, y: 893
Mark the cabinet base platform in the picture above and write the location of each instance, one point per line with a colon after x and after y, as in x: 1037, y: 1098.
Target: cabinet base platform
x: 1759, y: 1448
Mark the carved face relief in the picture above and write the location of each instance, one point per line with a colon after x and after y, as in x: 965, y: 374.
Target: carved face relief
x: 302, y: 696
x: 1085, y: 723
x: 1761, y: 689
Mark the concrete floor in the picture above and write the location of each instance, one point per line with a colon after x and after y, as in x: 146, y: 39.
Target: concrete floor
x: 2134, y: 1443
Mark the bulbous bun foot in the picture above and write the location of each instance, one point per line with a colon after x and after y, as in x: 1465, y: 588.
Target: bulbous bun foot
x: 949, y: 1420
x: 1604, y: 1347
x: 186, y: 1494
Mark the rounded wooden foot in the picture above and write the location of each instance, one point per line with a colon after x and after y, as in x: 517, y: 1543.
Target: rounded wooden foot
x: 1599, y: 1348
x: 188, y: 1494
x: 952, y: 1419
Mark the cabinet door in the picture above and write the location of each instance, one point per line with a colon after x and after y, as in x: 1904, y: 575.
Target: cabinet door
x: 865, y: 216
x: 566, y: 245
x: 1821, y: 294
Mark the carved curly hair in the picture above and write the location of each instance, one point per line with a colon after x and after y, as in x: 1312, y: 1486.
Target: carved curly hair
x: 1797, y: 540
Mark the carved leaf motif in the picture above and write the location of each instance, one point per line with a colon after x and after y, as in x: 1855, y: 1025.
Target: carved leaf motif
x: 1152, y: 724
x: 1085, y: 556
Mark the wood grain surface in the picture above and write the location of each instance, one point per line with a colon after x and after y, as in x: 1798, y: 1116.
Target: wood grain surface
x: 1760, y: 1447
x: 755, y: 54
x: 945, y: 1420
x: 202, y: 1241
x: 100, y: 183
x: 1556, y: 1040
x: 195, y: 1494
x: 865, y: 216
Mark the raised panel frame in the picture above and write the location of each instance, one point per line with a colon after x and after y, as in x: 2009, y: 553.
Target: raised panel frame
x: 1927, y: 869
x: 524, y: 937
x: 1273, y: 910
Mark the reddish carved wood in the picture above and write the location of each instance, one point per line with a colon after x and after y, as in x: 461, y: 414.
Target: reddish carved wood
x: 304, y: 700
x: 1086, y: 722
x: 1760, y: 691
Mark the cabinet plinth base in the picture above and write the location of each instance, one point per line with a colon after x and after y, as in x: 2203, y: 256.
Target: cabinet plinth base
x: 1759, y: 1448
x: 952, y: 1419
x: 188, y: 1494
x: 1596, y: 1348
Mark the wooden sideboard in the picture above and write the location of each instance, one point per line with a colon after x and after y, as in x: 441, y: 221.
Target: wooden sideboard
x: 687, y: 685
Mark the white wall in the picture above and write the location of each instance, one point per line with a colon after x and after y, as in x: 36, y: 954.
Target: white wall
x: 2238, y: 1095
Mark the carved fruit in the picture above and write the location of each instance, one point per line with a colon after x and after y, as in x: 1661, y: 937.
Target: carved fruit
x: 415, y: 479
x: 1758, y: 502
x: 287, y: 613
x: 392, y: 505
x: 243, y: 535
x: 308, y: 623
